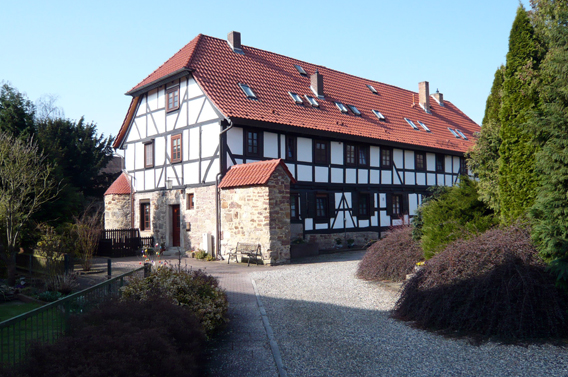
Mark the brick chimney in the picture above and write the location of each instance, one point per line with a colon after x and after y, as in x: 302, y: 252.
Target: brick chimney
x: 439, y: 97
x: 424, y: 95
x: 234, y: 39
x: 316, y: 81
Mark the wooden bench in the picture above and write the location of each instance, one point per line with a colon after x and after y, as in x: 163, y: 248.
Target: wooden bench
x: 251, y: 250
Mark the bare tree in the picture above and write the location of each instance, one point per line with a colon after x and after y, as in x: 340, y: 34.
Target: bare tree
x: 47, y: 109
x: 26, y: 182
x: 88, y: 229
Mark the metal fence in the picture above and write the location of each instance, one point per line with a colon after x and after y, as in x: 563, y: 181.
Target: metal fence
x: 47, y: 323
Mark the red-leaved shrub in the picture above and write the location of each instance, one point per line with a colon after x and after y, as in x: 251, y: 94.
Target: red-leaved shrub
x: 391, y: 258
x: 492, y: 286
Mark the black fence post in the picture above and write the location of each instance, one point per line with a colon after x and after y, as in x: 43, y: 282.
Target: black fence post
x: 109, y: 268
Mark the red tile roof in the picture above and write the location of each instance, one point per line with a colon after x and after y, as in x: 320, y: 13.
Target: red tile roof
x: 254, y: 173
x: 121, y: 186
x: 219, y: 70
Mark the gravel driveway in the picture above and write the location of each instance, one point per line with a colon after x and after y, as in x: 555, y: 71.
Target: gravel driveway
x: 329, y: 323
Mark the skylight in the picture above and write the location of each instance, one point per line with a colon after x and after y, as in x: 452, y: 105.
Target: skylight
x: 461, y: 134
x: 372, y: 89
x: 296, y: 97
x: 341, y: 107
x: 424, y: 126
x: 312, y: 101
x: 354, y: 110
x: 248, y: 91
x: 411, y: 123
x: 300, y: 69
x: 454, y: 133
x: 379, y: 115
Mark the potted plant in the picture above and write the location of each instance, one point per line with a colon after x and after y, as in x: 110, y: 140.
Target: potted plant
x: 350, y: 242
x: 338, y: 242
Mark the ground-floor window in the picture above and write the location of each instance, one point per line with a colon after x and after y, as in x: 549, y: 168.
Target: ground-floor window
x: 144, y: 216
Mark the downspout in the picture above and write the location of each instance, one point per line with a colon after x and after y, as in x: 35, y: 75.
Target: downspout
x: 217, y: 194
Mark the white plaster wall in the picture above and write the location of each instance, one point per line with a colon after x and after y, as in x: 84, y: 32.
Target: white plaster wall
x: 430, y: 162
x: 336, y: 175
x: 159, y: 151
x: 191, y: 173
x: 408, y: 160
x: 193, y: 89
x: 431, y: 179
x: 270, y: 145
x: 398, y: 158
x: 382, y: 200
x: 209, y: 139
x: 375, y: 176
x: 363, y: 176
x: 409, y: 178
x: 193, y: 108
x: 386, y: 177
x: 194, y: 143
x: 235, y: 140
x: 350, y: 175
x: 207, y: 112
x: 336, y: 152
x: 304, y: 173
x: 322, y: 174
x: 304, y: 149
x: 421, y: 178
x: 375, y: 156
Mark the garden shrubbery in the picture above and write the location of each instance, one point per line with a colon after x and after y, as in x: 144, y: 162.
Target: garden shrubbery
x: 391, y: 258
x: 195, y: 290
x: 491, y: 286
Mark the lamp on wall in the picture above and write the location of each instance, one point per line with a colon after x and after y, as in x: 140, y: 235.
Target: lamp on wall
x: 169, y: 184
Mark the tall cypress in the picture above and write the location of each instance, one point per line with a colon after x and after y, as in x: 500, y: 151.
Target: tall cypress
x: 517, y: 177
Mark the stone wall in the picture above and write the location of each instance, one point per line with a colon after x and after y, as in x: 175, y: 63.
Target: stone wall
x: 327, y: 241
x: 201, y: 218
x: 117, y: 211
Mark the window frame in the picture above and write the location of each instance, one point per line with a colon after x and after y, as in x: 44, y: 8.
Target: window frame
x: 398, y: 199
x: 317, y: 156
x: 355, y: 155
x: 440, y: 163
x: 295, y: 199
x: 364, y: 198
x: 190, y: 202
x: 176, y: 157
x: 175, y: 90
x: 323, y: 198
x: 291, y: 141
x: 145, y: 223
x: 463, y: 166
x: 390, y: 154
x: 423, y: 154
x: 146, y: 164
x: 259, y: 146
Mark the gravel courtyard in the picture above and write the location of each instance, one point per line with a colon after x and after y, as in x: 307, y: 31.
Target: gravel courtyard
x: 329, y: 323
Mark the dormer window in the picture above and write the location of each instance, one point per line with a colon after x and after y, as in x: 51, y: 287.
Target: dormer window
x: 312, y: 101
x: 411, y: 123
x: 341, y: 107
x: 379, y: 115
x: 354, y: 110
x: 372, y: 89
x: 300, y: 70
x: 424, y: 126
x: 454, y: 133
x: 461, y: 134
x: 296, y: 98
x: 172, y: 96
x: 248, y: 91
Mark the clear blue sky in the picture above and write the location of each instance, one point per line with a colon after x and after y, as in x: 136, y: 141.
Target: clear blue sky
x: 91, y: 53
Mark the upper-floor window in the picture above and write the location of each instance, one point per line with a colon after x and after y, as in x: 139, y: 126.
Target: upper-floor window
x: 321, y: 152
x: 386, y: 158
x: 463, y: 166
x: 356, y: 155
x: 420, y: 161
x: 440, y: 163
x: 253, y: 143
x: 172, y: 102
x: 294, y: 206
x: 350, y: 154
x: 290, y: 148
x: 363, y: 155
x: 190, y: 204
x: 144, y: 216
x: 149, y: 154
x: 176, y: 148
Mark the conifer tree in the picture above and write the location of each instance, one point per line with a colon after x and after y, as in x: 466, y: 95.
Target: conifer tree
x: 517, y: 177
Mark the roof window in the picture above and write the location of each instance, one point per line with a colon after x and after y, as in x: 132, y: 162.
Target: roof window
x: 411, y: 123
x: 248, y: 91
x: 461, y: 134
x: 379, y: 115
x: 341, y: 107
x: 354, y: 110
x: 301, y: 70
x: 372, y: 89
x: 424, y: 126
x: 312, y: 101
x: 454, y: 133
x: 296, y: 97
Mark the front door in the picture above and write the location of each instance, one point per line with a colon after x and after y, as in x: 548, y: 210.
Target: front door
x: 175, y: 225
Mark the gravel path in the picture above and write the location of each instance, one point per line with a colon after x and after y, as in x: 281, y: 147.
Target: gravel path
x: 329, y: 323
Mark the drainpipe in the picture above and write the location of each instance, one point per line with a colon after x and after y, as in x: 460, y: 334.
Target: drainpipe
x: 217, y: 195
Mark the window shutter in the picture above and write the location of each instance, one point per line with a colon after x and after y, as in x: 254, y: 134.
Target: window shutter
x: 355, y: 203
x: 331, y: 205
x: 311, y: 204
x: 404, y: 204
x: 389, y: 204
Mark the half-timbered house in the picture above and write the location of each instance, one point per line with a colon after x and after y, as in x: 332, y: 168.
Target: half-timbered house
x: 344, y: 156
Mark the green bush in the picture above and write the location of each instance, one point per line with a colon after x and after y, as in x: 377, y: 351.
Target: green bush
x: 195, y: 290
x: 456, y: 213
x: 391, y: 258
x: 201, y: 254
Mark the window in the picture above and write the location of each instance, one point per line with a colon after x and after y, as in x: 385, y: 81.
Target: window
x: 350, y: 154
x: 312, y: 101
x: 354, y: 110
x: 322, y: 207
x: 321, y: 152
x: 463, y: 166
x: 364, y: 205
x: 411, y: 123
x: 440, y: 163
x: 248, y: 91
x: 461, y: 134
x: 294, y: 207
x: 341, y: 107
x: 363, y: 156
x: 397, y: 205
x: 420, y: 161
x: 379, y: 115
x: 454, y: 133
x: 424, y: 126
x: 253, y: 143
x: 172, y: 96
x: 372, y: 89
x: 144, y: 216
x: 290, y: 148
x: 190, y: 204
x: 176, y: 148
x: 149, y: 154
x: 386, y: 158
x: 296, y: 98
x: 356, y: 155
x: 300, y: 70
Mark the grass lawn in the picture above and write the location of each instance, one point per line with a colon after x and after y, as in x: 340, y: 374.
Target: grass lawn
x: 13, y: 308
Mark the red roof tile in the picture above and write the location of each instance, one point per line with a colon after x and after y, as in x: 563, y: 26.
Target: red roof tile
x: 254, y: 173
x: 219, y: 70
x: 121, y: 186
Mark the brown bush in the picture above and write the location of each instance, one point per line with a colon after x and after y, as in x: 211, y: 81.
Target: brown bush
x: 391, y: 258
x: 492, y: 286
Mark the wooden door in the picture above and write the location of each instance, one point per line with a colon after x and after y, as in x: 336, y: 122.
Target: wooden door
x: 175, y: 225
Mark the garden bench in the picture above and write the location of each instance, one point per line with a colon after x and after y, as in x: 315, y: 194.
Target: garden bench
x: 251, y: 250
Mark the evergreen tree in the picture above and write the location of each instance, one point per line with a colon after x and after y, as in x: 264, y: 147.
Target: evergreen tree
x: 517, y: 177
x: 16, y: 113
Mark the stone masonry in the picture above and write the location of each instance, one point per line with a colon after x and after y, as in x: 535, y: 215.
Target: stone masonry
x: 117, y: 211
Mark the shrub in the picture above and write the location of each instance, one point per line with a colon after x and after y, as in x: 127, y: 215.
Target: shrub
x: 391, y: 258
x: 193, y: 289
x: 129, y: 338
x: 491, y: 286
x: 201, y: 254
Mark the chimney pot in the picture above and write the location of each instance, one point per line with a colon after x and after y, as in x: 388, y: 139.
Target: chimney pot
x: 424, y: 95
x: 439, y: 97
x: 234, y: 39
x: 316, y: 81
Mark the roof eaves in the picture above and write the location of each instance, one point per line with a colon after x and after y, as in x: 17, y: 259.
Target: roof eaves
x: 126, y: 123
x: 182, y: 72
